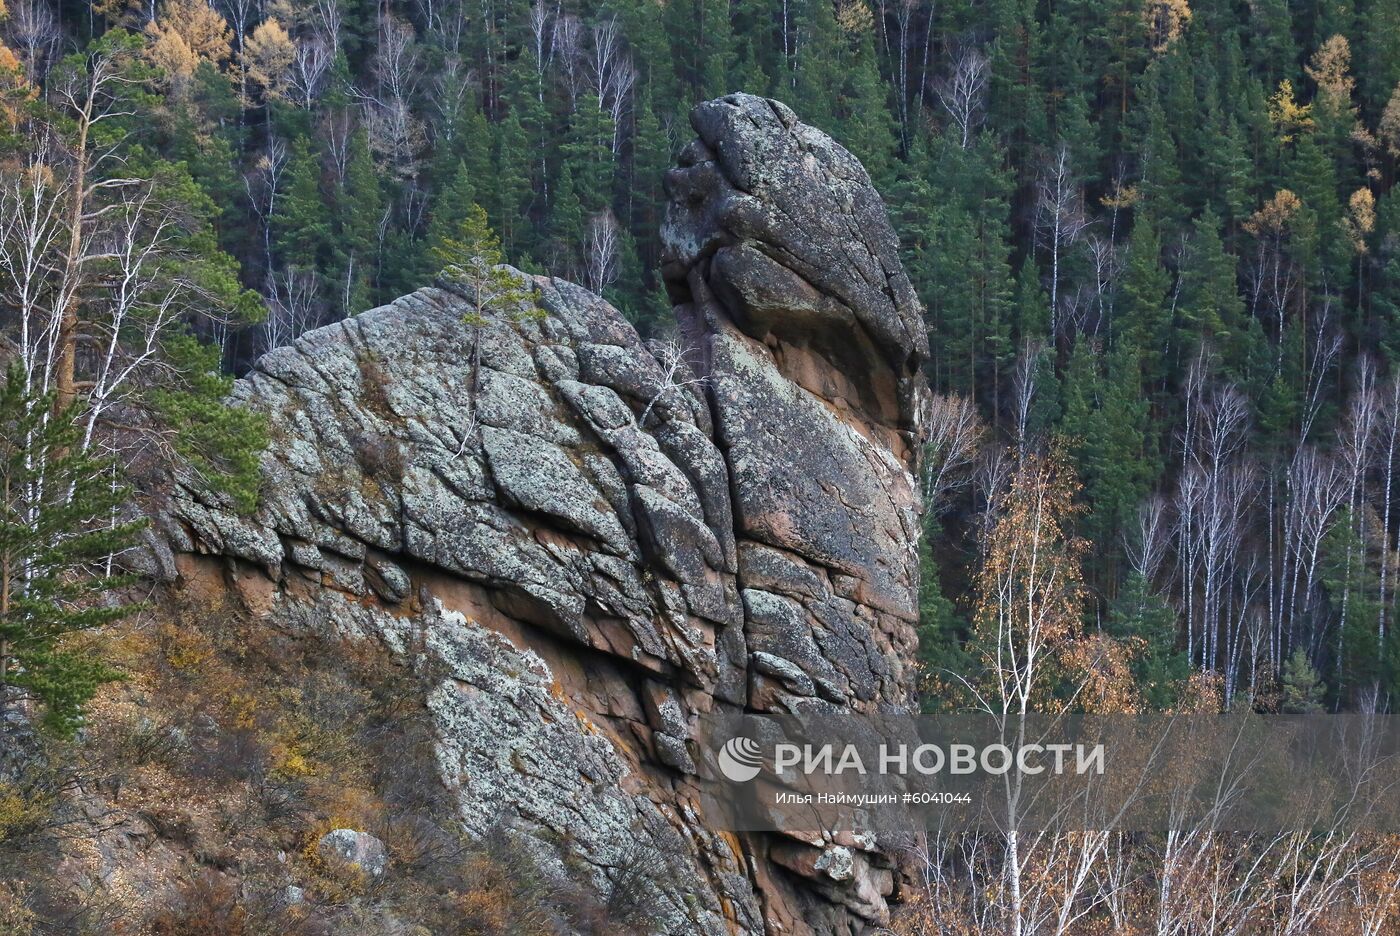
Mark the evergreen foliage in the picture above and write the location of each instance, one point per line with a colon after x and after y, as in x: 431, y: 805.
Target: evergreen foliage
x: 1117, y: 217
x: 60, y: 525
x: 1303, y: 689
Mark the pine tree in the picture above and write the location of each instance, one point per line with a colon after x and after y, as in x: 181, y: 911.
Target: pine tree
x: 953, y: 310
x: 472, y: 262
x: 816, y: 71
x: 863, y: 119
x: 646, y: 33
x: 1385, y: 279
x: 512, y: 190
x: 716, y: 48
x: 59, y: 528
x: 587, y: 155
x: 756, y: 54
x: 1303, y: 689
x: 1148, y: 624
x: 1161, y: 187
x: 1378, y: 67
x: 1032, y: 313
x: 1105, y: 421
x: 702, y: 47
x: 1144, y: 317
x: 940, y: 630
x: 1209, y: 307
x: 1016, y: 107
x: 206, y: 135
x: 359, y: 208
x: 1227, y: 165
x: 451, y: 207
x: 565, y: 222
x: 220, y: 443
x: 301, y: 224
x: 1271, y: 47
x: 646, y: 200
x: 959, y: 258
x: 471, y: 257
x: 1312, y: 176
x: 1352, y: 590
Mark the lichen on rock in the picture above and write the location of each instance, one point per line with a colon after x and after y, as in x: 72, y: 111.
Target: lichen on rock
x: 588, y: 553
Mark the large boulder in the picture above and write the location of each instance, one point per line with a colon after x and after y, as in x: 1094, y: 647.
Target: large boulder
x: 787, y: 281
x: 354, y: 849
x: 589, y: 542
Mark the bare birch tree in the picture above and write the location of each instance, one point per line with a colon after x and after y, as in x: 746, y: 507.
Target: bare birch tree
x: 1059, y: 218
x: 954, y: 434
x: 963, y: 93
x: 602, y: 242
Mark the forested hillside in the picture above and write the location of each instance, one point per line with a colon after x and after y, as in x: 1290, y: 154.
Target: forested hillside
x: 1156, y: 239
x: 475, y: 562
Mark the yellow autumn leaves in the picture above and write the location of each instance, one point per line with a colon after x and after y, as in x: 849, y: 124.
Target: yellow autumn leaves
x: 1165, y: 20
x: 185, y: 33
x: 15, y: 90
x: 1330, y: 69
x: 268, y: 56
x: 1273, y: 220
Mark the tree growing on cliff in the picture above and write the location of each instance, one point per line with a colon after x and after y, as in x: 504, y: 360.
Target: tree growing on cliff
x: 474, y: 264
x: 472, y: 261
x: 59, y: 530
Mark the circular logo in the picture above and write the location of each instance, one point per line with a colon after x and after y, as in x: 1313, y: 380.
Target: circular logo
x: 740, y: 759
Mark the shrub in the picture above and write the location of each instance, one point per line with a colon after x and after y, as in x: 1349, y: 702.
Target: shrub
x: 16, y: 919
x: 205, y: 906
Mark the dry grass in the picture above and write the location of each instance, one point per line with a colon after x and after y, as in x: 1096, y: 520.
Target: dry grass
x: 216, y: 766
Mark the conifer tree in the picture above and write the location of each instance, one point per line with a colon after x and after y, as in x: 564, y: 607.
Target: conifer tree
x: 1105, y: 421
x: 359, y: 209
x: 863, y: 120
x: 222, y: 444
x: 1271, y: 47
x: 302, y: 226
x: 450, y: 210
x: 940, y: 629
x: 702, y: 46
x: 565, y: 220
x: 59, y: 529
x: 512, y: 188
x: 1144, y: 325
x: 1303, y: 689
x: 1148, y: 624
x: 1350, y: 583
x: 1209, y: 306
x: 1312, y: 175
x: 1161, y: 185
x: 472, y: 262
x: 650, y: 160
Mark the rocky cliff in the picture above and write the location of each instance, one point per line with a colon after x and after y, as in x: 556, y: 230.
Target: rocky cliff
x: 588, y: 540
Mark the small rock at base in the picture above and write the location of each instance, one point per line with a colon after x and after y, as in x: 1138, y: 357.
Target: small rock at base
x: 360, y: 849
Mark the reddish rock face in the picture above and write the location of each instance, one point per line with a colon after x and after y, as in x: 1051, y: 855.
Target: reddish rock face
x: 607, y: 538
x: 783, y: 266
x: 781, y: 257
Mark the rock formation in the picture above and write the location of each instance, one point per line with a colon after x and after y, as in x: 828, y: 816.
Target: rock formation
x: 606, y: 539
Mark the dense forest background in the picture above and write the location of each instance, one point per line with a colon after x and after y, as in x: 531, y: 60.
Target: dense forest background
x: 1157, y: 241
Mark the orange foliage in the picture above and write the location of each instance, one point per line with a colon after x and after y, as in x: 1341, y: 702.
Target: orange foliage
x: 15, y: 89
x: 185, y: 33
x: 1030, y: 591
x: 268, y: 56
x: 1329, y: 67
x: 1273, y: 219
